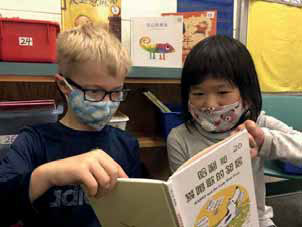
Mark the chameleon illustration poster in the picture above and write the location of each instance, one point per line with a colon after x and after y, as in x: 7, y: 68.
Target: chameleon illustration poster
x: 197, y: 26
x: 157, y: 41
x: 78, y: 12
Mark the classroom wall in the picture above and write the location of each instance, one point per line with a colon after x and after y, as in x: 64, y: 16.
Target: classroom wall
x: 32, y: 9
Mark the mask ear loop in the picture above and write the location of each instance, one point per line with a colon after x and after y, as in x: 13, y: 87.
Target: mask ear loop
x: 245, y: 116
x: 67, y: 84
x: 63, y: 99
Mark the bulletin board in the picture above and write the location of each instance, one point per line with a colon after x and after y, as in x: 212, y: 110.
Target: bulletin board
x: 274, y: 40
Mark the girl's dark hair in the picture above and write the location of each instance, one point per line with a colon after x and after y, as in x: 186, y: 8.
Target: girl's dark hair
x: 222, y: 57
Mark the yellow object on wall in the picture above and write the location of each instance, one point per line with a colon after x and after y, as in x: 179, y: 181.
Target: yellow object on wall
x: 275, y: 42
x: 77, y: 12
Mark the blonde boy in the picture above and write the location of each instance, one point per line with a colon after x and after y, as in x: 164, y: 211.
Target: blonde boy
x: 40, y: 177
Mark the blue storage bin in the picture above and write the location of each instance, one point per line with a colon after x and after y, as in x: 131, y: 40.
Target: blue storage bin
x: 170, y: 120
x: 290, y: 168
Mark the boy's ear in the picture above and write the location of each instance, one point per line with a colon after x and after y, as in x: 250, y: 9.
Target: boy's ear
x: 61, y: 82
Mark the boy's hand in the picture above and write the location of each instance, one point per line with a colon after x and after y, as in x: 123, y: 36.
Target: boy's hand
x: 96, y: 170
x: 256, y: 136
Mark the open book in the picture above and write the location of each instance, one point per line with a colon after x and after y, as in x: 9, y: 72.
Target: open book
x: 214, y: 188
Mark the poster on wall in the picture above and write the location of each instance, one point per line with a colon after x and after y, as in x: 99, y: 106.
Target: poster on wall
x: 78, y: 12
x: 197, y: 26
x: 157, y: 41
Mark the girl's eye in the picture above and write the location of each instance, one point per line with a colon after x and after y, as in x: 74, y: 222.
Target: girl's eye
x: 223, y: 92
x: 197, y: 93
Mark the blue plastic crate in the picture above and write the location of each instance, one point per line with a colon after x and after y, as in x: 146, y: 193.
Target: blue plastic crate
x: 290, y: 168
x: 170, y: 120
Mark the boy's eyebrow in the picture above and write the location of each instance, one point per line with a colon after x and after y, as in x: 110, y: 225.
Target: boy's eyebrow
x: 118, y: 88
x: 100, y: 88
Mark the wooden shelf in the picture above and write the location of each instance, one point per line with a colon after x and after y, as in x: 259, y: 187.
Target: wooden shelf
x: 155, y: 72
x: 27, y: 69
x: 151, y: 81
x: 136, y: 74
x: 149, y: 142
x: 26, y: 78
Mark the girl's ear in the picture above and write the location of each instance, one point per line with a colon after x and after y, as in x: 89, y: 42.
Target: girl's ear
x: 245, y: 104
x: 61, y: 82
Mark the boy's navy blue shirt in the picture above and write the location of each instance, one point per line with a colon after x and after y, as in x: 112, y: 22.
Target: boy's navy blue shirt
x: 59, y: 206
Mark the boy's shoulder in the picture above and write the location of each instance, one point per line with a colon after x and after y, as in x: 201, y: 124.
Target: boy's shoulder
x: 119, y: 133
x: 59, y: 129
x: 58, y: 133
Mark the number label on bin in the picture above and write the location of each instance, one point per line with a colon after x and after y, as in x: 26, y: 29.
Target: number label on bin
x: 25, y: 41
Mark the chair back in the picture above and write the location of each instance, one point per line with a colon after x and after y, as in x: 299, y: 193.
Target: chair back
x: 285, y: 108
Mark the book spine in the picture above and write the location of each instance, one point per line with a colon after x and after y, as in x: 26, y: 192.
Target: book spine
x: 156, y: 102
x: 174, y: 203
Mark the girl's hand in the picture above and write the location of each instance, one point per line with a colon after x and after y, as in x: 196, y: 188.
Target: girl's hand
x: 256, y: 136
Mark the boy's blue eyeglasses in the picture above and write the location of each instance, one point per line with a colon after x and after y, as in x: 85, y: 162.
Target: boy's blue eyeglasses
x: 98, y: 95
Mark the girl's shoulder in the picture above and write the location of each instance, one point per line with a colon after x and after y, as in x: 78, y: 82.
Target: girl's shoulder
x: 179, y: 130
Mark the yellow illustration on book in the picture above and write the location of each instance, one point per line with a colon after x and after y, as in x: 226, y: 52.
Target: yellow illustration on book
x: 230, y: 207
x: 78, y: 12
x: 156, y: 48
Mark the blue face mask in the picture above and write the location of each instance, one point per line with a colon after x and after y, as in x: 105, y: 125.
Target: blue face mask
x: 94, y: 114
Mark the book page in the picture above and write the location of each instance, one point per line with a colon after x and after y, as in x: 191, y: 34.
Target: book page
x: 217, y: 188
x: 196, y: 157
x: 135, y: 202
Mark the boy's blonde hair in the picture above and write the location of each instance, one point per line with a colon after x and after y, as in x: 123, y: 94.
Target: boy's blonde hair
x: 91, y: 42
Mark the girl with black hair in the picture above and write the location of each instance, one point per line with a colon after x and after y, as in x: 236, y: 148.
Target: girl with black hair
x: 221, y: 94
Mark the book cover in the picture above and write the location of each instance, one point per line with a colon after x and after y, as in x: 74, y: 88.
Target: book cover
x: 157, y: 41
x: 78, y: 12
x: 213, y: 189
x: 197, y: 26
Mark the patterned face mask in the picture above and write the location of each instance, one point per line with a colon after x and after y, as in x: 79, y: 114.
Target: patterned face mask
x: 219, y: 119
x: 94, y: 114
